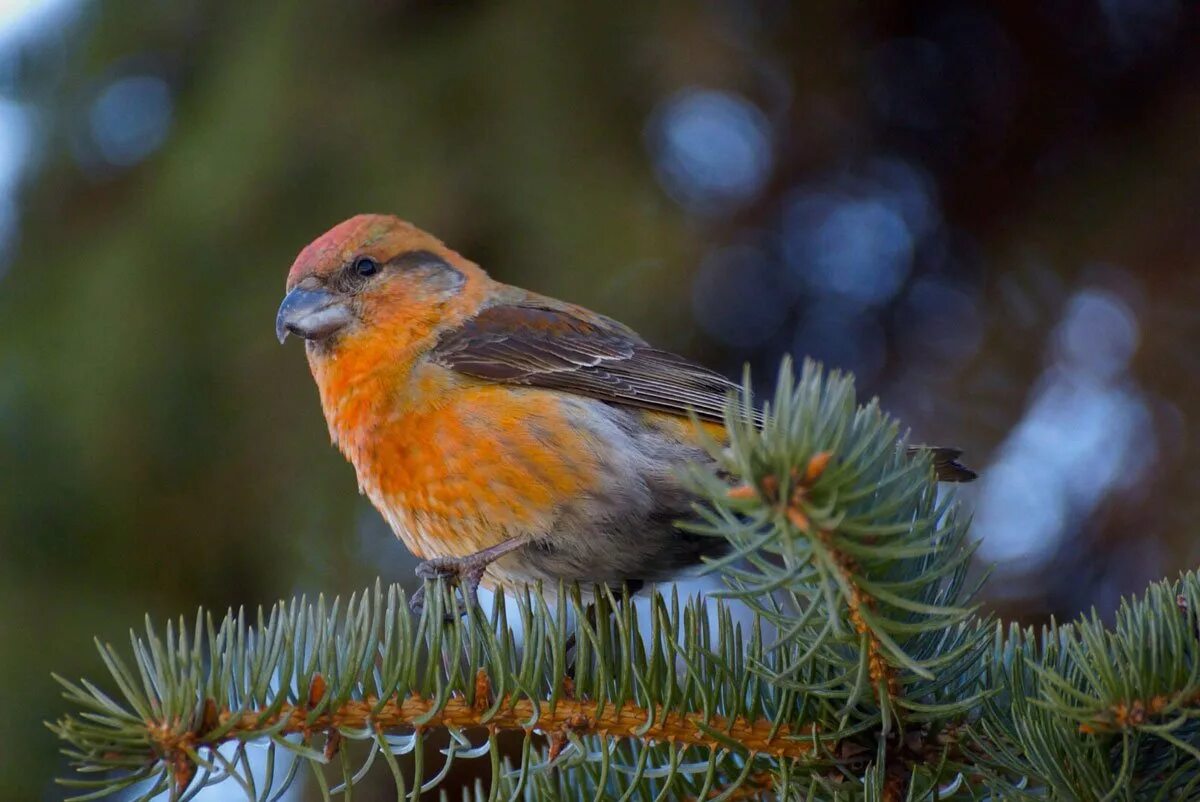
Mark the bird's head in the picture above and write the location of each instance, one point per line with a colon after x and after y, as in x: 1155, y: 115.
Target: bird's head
x: 368, y: 274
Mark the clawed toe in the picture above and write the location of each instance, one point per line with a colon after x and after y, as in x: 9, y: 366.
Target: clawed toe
x: 462, y: 571
x: 417, y: 602
x: 467, y: 572
x: 440, y: 567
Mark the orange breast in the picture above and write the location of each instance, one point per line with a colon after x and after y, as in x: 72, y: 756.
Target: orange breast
x: 457, y: 465
x: 467, y: 466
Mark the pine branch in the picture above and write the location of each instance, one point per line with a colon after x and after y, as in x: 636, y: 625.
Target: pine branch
x: 860, y: 672
x: 1096, y: 712
x: 836, y: 517
x: 306, y: 675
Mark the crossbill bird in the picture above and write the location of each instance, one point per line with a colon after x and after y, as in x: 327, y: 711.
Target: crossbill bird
x: 507, y: 437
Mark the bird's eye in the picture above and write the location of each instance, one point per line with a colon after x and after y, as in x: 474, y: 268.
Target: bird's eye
x: 366, y: 266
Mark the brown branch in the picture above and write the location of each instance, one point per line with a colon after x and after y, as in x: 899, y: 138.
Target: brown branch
x: 1133, y: 713
x: 877, y: 665
x: 793, y: 508
x: 568, y: 716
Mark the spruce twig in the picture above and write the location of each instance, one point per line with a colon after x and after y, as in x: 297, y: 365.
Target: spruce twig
x: 843, y: 660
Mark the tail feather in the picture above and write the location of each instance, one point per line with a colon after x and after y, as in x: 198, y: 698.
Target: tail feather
x: 945, y: 463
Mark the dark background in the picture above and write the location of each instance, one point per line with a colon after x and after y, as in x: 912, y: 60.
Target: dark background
x: 988, y: 212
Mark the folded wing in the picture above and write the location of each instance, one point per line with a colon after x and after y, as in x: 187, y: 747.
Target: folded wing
x: 538, y: 342
x: 571, y: 349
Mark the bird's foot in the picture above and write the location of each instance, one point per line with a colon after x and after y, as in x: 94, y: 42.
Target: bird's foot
x: 466, y: 572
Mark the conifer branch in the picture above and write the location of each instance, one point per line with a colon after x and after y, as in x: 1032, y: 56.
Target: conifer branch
x: 566, y: 718
x: 843, y: 660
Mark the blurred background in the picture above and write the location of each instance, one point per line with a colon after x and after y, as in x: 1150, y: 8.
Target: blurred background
x: 988, y: 212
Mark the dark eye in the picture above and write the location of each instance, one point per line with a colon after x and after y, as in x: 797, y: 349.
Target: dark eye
x: 366, y: 266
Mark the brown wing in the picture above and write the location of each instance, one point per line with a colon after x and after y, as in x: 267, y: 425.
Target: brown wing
x: 570, y: 349
x: 542, y: 344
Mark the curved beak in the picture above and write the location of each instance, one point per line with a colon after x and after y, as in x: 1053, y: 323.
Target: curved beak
x: 313, y: 314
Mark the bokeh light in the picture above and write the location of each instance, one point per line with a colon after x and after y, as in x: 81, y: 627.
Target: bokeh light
x: 16, y: 142
x: 129, y: 119
x: 1086, y: 435
x: 24, y: 20
x: 711, y: 149
x: 856, y: 236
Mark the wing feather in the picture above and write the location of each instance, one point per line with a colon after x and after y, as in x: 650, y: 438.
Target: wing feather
x: 569, y: 349
x: 537, y: 342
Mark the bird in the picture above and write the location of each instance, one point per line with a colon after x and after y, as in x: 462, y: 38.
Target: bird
x: 508, y: 438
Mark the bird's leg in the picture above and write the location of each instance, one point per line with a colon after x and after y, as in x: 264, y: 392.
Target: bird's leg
x: 466, y: 571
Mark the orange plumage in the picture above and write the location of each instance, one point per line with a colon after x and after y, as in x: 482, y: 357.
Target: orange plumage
x: 504, y: 435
